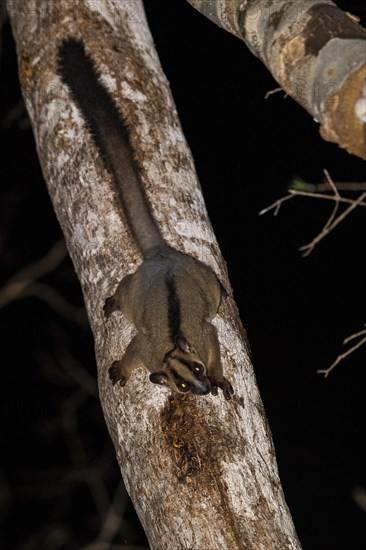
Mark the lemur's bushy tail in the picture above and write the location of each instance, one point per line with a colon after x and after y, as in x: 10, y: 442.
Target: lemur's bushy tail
x: 111, y: 137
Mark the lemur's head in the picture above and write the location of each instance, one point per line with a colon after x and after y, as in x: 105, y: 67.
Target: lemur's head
x: 182, y: 370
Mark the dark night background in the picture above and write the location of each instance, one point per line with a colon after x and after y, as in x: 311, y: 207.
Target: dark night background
x: 57, y: 471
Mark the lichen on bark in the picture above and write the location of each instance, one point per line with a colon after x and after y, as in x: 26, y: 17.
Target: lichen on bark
x: 315, y: 51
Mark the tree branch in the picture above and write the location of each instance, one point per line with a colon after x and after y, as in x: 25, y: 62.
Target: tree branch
x: 342, y: 356
x: 301, y: 185
x: 333, y: 221
x: 201, y: 472
x: 19, y: 283
x: 314, y: 50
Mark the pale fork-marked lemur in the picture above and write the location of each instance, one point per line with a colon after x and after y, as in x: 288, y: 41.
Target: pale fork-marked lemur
x: 172, y: 297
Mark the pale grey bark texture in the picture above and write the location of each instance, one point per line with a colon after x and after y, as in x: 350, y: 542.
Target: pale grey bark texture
x: 315, y: 51
x: 201, y: 471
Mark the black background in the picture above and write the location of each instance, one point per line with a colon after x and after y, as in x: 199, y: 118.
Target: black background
x: 296, y: 310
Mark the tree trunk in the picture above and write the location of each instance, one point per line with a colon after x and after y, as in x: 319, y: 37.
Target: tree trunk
x: 201, y: 471
x: 314, y: 50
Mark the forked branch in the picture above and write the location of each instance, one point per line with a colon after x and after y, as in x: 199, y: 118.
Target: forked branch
x: 319, y: 191
x: 362, y: 335
x: 300, y: 188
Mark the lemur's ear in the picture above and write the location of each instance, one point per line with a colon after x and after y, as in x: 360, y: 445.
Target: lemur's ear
x: 183, y: 345
x: 159, y: 378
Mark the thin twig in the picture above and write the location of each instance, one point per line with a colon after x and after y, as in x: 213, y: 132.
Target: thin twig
x: 57, y: 302
x: 20, y: 281
x: 346, y: 353
x: 271, y: 92
x: 112, y: 522
x: 331, y: 183
x: 327, y: 227
x: 300, y: 188
x: 353, y: 336
x: 301, y: 185
x: 331, y: 224
x: 276, y: 205
x: 344, y: 200
x: 295, y: 192
x: 25, y: 283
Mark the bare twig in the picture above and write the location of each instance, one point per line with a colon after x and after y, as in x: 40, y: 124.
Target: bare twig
x: 346, y: 353
x: 296, y: 193
x: 25, y: 283
x: 275, y: 91
x: 57, y: 302
x: 276, y: 205
x: 331, y: 224
x: 113, y: 519
x: 345, y: 200
x: 300, y: 188
x: 308, y: 248
x: 60, y: 482
x: 301, y: 185
x: 21, y: 280
x: 353, y: 336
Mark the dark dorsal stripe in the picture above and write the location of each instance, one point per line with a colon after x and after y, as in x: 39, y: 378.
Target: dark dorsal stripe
x: 173, y: 308
x: 175, y: 375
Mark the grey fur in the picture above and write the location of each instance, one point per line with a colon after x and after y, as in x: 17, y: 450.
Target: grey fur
x: 172, y: 297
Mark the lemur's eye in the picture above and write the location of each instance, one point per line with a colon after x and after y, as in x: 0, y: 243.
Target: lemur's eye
x: 198, y: 369
x: 183, y: 386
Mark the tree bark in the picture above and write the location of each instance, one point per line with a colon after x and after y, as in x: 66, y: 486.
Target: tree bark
x: 315, y: 51
x: 201, y: 471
